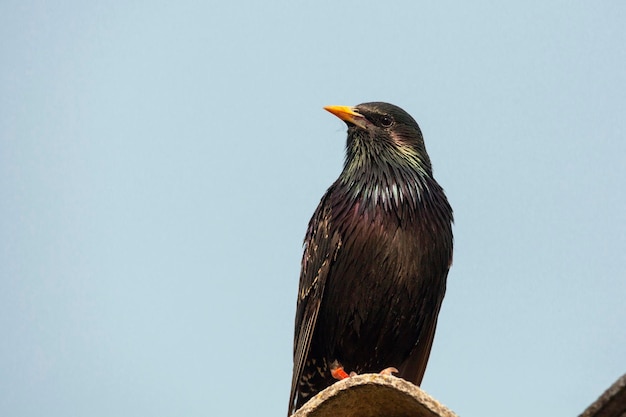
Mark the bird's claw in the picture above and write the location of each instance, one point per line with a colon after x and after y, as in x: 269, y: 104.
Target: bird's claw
x: 337, y: 371
x: 389, y: 371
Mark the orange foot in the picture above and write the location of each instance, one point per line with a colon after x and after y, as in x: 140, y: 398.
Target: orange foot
x: 337, y: 371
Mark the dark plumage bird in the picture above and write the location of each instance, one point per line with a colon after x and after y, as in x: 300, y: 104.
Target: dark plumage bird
x: 376, y: 256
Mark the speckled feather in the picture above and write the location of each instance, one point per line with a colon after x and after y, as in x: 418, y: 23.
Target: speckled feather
x: 376, y: 257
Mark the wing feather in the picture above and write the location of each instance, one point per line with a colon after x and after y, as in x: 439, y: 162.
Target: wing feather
x: 320, y: 251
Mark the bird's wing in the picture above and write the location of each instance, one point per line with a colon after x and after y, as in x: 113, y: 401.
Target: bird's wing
x: 414, y: 367
x: 320, y: 251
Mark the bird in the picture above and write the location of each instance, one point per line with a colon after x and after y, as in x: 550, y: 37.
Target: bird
x: 377, y: 252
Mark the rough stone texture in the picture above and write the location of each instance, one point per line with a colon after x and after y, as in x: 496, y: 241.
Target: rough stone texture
x: 373, y: 395
x: 610, y: 404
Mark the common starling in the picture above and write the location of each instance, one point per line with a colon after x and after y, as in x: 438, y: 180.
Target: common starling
x: 376, y: 257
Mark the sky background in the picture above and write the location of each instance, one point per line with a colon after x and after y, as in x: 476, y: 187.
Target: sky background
x: 159, y: 164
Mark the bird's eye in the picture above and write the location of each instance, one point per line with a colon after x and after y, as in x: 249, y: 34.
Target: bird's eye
x: 386, y: 121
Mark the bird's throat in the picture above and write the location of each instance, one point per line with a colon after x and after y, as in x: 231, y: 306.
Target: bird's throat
x: 391, y: 190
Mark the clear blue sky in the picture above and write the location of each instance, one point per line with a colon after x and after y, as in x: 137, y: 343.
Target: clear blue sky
x: 159, y: 164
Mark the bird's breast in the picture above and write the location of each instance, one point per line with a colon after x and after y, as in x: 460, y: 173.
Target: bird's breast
x: 391, y: 267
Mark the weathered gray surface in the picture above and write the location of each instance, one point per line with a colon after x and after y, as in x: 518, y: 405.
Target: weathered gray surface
x: 610, y: 404
x: 373, y: 395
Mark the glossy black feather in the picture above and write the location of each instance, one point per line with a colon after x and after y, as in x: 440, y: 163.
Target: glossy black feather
x: 376, y: 257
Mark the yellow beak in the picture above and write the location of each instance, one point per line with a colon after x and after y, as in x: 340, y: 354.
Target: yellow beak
x: 347, y: 114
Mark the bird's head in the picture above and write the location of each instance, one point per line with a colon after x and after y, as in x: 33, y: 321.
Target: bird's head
x: 382, y: 136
